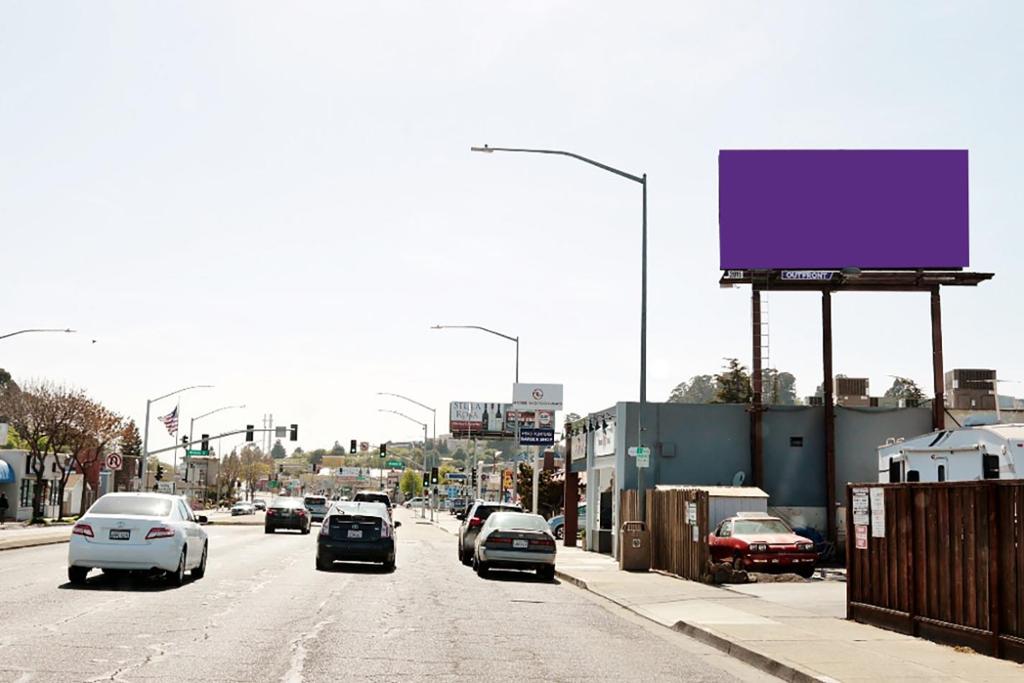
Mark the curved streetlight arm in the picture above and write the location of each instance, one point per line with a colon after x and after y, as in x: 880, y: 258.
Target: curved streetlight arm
x: 11, y: 334
x: 410, y: 419
x: 199, y: 417
x: 606, y: 167
x: 474, y: 327
x: 194, y: 386
x: 406, y: 398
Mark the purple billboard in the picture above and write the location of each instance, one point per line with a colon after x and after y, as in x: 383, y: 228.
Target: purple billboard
x: 832, y: 209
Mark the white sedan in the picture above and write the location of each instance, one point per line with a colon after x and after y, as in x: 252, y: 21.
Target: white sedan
x: 138, y: 532
x: 515, y: 540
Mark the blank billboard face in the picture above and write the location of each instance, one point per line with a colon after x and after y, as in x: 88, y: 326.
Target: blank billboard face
x: 832, y: 209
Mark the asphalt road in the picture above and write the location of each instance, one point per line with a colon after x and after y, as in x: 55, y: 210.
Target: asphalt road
x: 263, y: 613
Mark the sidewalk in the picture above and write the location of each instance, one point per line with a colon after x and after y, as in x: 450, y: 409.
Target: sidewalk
x: 19, y: 536
x: 779, y: 638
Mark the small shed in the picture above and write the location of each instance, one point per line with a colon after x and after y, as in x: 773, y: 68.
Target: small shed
x: 726, y: 501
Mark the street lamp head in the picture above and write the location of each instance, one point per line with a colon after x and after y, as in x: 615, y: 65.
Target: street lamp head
x: 485, y: 148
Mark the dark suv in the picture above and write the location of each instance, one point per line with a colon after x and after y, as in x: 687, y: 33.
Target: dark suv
x: 471, y: 523
x: 356, y: 532
x: 287, y: 513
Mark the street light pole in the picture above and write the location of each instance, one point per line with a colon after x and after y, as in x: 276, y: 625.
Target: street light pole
x: 424, y: 465
x: 642, y: 180
x: 518, y: 416
x: 145, y: 431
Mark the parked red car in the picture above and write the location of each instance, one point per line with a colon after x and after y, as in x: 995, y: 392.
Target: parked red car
x: 760, y: 542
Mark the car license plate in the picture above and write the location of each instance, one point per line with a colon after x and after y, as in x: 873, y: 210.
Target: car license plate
x: 120, y: 534
x: 520, y: 543
x: 355, y: 533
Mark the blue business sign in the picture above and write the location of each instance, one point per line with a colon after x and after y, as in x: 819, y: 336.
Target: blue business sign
x: 536, y: 436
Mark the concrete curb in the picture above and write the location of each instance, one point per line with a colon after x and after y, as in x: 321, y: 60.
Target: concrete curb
x: 31, y: 543
x: 744, y: 654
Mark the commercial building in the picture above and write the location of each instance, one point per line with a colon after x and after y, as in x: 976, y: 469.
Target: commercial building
x: 18, y: 480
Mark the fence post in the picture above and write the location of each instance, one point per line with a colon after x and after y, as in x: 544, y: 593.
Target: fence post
x: 994, y: 545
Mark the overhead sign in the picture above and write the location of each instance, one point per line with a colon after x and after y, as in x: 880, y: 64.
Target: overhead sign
x: 114, y: 461
x: 537, y: 396
x: 364, y: 446
x: 456, y: 476
x: 536, y: 436
x: 280, y: 432
x: 395, y: 464
x: 197, y: 452
x: 828, y: 209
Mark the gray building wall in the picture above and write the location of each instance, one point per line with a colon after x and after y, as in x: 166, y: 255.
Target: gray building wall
x: 794, y: 475
x: 859, y: 433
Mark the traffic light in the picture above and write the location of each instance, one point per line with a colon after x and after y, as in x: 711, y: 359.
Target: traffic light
x: 383, y: 450
x: 184, y: 442
x: 433, y: 475
x: 206, y: 443
x: 294, y: 436
x: 249, y: 433
x: 426, y: 479
x: 352, y: 447
x: 472, y: 476
x: 159, y: 472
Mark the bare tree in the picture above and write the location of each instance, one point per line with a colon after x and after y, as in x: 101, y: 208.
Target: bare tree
x: 96, y: 429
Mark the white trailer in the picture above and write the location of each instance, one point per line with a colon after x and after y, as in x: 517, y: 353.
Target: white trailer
x: 988, y: 451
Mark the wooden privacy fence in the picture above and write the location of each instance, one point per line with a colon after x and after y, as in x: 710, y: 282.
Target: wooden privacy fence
x: 678, y: 522
x: 941, y: 561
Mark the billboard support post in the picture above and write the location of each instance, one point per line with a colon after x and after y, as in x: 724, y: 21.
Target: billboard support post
x: 830, y: 425
x: 756, y: 376
x: 939, y: 402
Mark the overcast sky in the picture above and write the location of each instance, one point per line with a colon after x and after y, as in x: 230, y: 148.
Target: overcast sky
x: 279, y: 198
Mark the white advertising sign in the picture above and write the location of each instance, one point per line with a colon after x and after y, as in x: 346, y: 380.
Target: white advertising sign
x: 878, y: 513
x: 537, y: 396
x: 861, y: 513
x: 604, y: 439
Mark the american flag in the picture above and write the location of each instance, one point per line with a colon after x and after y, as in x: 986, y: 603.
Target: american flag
x: 170, y: 421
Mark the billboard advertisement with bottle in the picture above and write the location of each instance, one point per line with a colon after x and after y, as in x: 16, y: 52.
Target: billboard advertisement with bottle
x: 492, y: 420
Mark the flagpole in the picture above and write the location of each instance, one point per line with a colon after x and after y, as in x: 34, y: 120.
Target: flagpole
x: 174, y: 472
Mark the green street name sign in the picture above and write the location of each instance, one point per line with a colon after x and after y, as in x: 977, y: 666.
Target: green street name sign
x: 395, y: 464
x: 200, y: 452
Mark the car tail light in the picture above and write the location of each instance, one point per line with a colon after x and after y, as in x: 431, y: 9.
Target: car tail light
x: 271, y: 512
x: 543, y: 542
x: 475, y: 523
x: 82, y: 530
x: 498, y: 540
x: 160, y: 532
x: 385, y: 531
x: 300, y: 513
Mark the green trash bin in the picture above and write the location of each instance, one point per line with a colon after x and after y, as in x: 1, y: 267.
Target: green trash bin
x: 635, y: 547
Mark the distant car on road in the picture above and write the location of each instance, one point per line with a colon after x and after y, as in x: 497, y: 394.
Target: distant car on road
x: 316, y: 506
x: 243, y: 509
x: 760, y: 542
x: 416, y: 503
x: 474, y: 521
x: 557, y: 523
x: 456, y: 505
x: 373, y: 497
x: 286, y: 513
x: 147, y: 532
x: 357, y: 532
x: 260, y: 504
x: 515, y: 540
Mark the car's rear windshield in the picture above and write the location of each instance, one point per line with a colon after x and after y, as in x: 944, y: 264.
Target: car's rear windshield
x: 374, y: 498
x: 315, y: 500
x: 519, y: 521
x: 760, y: 526
x: 484, y: 511
x: 132, y: 505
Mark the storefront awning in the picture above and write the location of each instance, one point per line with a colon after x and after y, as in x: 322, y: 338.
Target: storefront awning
x: 6, y: 473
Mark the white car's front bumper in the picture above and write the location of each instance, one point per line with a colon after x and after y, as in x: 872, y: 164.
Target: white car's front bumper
x: 160, y: 553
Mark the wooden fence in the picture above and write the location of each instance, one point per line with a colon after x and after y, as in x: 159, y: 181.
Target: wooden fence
x: 942, y: 561
x: 675, y: 545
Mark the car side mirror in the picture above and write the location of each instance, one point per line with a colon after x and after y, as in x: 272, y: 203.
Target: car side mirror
x: 203, y: 519
x: 398, y: 524
x: 460, y: 516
